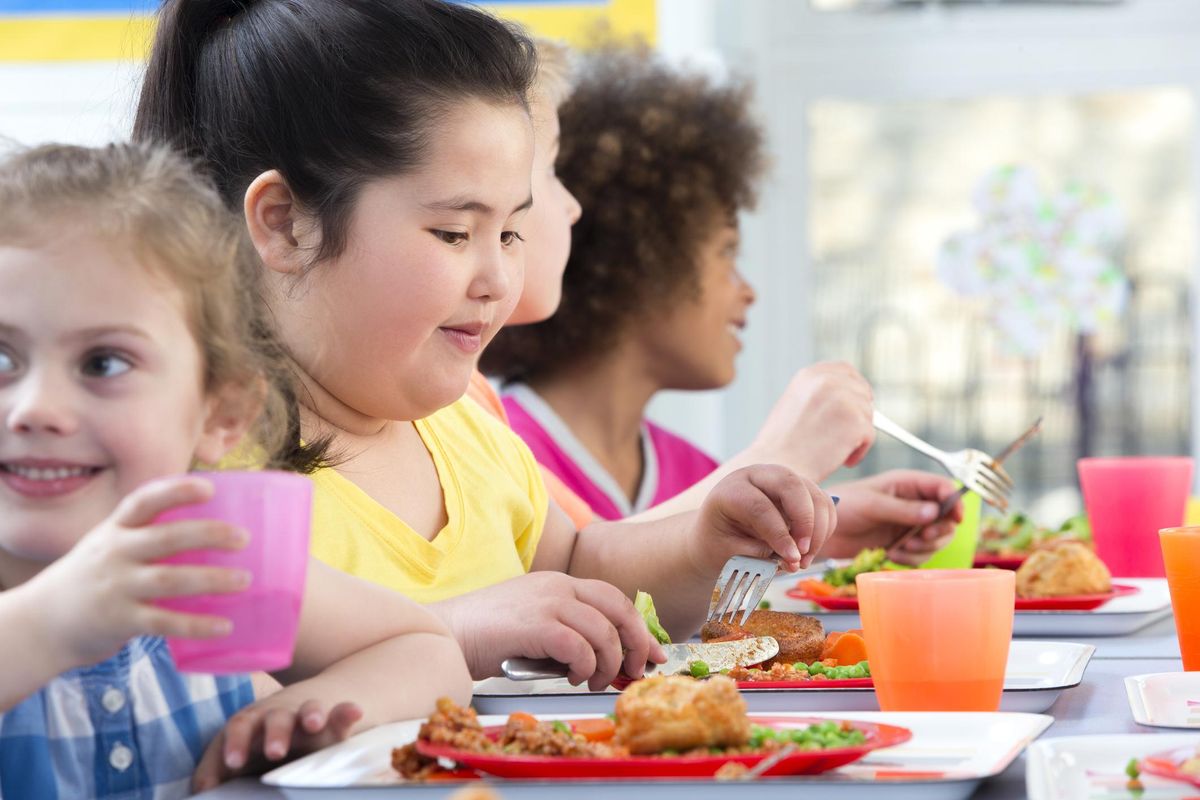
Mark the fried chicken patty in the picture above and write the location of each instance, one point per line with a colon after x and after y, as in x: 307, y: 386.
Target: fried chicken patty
x: 800, y: 638
x: 674, y: 712
x: 1062, y: 567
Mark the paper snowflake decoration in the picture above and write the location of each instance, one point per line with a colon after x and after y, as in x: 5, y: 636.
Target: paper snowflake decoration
x: 1040, y: 262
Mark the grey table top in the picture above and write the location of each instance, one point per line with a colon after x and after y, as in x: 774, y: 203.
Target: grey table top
x: 1098, y: 705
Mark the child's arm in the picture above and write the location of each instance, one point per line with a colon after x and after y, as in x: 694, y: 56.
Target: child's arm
x: 822, y: 421
x: 763, y: 511
x: 364, y: 655
x: 82, y: 608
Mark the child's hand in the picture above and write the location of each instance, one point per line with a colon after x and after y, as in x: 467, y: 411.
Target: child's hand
x: 762, y: 511
x: 875, y: 510
x: 261, y: 735
x: 98, y: 596
x: 588, y: 625
x: 821, y: 422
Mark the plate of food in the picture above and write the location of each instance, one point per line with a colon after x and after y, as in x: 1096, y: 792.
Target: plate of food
x: 662, y: 727
x: 1005, y: 542
x: 1061, y: 575
x: 1108, y: 766
x: 1035, y: 675
x: 947, y: 757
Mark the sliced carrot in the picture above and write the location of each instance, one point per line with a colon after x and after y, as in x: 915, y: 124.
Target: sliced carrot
x: 522, y: 719
x: 595, y: 730
x: 817, y: 588
x: 848, y: 649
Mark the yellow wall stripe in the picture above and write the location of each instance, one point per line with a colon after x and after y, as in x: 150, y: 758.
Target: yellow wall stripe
x: 121, y: 38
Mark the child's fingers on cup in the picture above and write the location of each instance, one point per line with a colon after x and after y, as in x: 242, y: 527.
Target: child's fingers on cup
x: 143, y: 504
x: 155, y: 621
x: 160, y: 541
x: 172, y: 580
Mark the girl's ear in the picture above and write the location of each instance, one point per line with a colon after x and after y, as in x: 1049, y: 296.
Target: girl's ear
x: 229, y: 413
x: 281, y: 232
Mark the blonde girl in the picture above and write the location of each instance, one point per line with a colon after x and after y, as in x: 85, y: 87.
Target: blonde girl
x: 132, y: 347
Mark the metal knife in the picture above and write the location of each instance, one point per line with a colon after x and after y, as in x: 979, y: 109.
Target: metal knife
x: 680, y: 657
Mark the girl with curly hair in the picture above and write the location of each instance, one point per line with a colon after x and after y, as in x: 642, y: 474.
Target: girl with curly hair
x: 662, y: 162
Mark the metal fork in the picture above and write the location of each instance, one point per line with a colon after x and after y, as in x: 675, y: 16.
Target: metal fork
x: 976, y: 469
x: 742, y: 577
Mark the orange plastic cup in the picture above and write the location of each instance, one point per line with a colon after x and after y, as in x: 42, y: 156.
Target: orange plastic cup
x: 938, y: 639
x: 1181, y: 556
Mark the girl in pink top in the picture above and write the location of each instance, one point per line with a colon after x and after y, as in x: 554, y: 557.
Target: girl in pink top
x: 670, y: 463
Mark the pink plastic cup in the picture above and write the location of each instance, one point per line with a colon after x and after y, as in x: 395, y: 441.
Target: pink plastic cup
x: 276, y: 509
x: 1128, y: 501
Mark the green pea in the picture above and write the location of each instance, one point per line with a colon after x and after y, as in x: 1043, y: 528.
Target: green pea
x: 1131, y: 769
x: 765, y: 605
x: 857, y: 671
x: 699, y: 669
x: 562, y: 727
x: 816, y: 668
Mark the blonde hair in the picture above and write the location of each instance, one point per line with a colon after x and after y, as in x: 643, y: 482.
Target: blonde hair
x: 555, y: 70
x: 149, y: 199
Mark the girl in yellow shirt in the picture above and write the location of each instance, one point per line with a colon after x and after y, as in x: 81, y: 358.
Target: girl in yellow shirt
x: 382, y: 156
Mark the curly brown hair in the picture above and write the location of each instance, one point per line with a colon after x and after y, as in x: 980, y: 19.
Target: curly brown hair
x: 652, y: 154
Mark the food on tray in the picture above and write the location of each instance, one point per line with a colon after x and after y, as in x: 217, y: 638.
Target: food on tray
x: 839, y: 581
x: 1016, y: 535
x: 816, y: 671
x: 678, y: 713
x: 1134, y: 784
x: 644, y: 604
x: 662, y: 715
x: 1061, y: 568
x: 800, y: 638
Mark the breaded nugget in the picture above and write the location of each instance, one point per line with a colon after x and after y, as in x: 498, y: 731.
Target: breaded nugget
x: 1062, y: 567
x: 800, y: 638
x: 675, y: 712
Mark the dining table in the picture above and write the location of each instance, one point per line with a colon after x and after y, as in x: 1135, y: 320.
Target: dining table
x: 1098, y: 705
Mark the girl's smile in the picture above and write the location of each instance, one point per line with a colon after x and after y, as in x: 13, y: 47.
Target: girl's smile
x: 39, y: 477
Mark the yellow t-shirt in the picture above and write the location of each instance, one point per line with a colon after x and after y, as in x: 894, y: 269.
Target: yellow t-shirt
x: 495, y: 507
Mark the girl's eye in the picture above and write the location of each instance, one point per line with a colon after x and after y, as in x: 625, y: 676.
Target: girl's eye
x: 106, y: 365
x: 508, y: 237
x: 8, y: 362
x: 450, y: 237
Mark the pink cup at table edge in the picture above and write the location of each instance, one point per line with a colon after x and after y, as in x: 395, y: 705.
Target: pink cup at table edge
x: 1128, y: 500
x: 275, y: 508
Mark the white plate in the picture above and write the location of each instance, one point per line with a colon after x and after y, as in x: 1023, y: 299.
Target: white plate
x: 1165, y: 699
x: 949, y: 754
x: 1093, y: 767
x: 1036, y: 673
x: 1117, y: 617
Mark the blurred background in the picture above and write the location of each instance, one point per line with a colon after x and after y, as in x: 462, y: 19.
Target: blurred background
x: 988, y: 207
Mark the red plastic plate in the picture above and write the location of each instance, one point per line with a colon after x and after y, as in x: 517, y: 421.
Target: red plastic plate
x: 999, y: 562
x: 1076, y: 602
x: 848, y: 683
x: 1165, y: 764
x: 802, y: 762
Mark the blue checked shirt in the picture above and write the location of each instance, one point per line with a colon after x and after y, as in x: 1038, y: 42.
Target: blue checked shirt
x: 128, y: 728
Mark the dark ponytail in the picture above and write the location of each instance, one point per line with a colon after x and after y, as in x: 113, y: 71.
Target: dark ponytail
x: 331, y: 93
